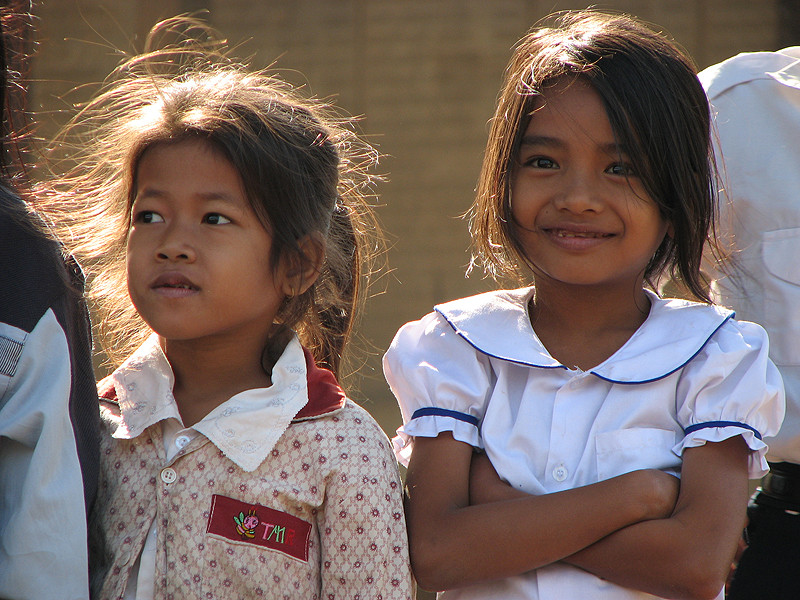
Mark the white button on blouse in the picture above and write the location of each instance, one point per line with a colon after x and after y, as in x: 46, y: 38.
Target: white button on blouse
x: 168, y: 475
x: 560, y: 473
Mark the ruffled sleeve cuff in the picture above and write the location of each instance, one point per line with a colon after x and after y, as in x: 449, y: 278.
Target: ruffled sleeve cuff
x: 732, y: 388
x: 719, y: 431
x: 430, y: 422
x: 440, y: 382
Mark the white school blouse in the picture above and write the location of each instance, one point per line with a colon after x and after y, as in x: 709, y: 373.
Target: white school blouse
x: 689, y: 375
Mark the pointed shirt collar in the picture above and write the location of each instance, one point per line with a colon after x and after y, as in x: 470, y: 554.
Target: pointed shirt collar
x: 245, y: 427
x: 674, y: 332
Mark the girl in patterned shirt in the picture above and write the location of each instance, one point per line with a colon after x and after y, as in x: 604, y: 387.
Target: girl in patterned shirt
x: 226, y: 223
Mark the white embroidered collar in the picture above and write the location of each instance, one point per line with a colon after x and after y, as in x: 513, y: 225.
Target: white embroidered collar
x: 646, y: 356
x: 246, y: 427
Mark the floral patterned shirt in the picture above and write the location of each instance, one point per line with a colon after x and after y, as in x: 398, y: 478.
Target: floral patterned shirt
x: 318, y: 517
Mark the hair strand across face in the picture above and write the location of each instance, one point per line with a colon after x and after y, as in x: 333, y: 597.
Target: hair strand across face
x: 658, y: 111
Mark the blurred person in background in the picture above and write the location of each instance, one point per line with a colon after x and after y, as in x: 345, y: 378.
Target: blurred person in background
x: 756, y: 98
x: 48, y: 398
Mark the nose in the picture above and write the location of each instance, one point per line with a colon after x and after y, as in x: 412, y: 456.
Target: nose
x: 581, y: 193
x: 176, y: 244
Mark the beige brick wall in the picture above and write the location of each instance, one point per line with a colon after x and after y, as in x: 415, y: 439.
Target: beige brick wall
x: 423, y: 72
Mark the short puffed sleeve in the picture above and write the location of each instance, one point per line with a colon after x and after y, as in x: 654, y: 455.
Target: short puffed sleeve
x: 732, y: 388
x: 440, y: 381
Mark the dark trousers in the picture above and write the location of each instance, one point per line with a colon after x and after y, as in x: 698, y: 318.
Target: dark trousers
x: 769, y: 568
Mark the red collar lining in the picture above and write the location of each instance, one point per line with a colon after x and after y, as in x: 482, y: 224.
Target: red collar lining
x: 325, y: 395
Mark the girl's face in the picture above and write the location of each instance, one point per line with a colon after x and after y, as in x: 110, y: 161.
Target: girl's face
x: 198, y: 257
x: 582, y: 216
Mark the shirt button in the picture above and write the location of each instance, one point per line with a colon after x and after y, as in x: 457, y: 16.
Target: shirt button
x: 168, y: 475
x: 181, y: 441
x: 560, y: 473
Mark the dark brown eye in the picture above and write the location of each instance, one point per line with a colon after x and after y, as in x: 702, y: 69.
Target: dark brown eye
x: 541, y: 162
x: 148, y: 216
x: 216, y: 219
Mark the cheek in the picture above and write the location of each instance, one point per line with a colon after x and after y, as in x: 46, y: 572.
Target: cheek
x: 130, y: 262
x: 133, y: 270
x: 527, y: 202
x: 514, y: 201
x: 661, y: 231
x: 664, y: 228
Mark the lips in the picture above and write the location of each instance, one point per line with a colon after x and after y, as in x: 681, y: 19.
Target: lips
x: 576, y: 238
x: 174, y: 281
x: 569, y: 233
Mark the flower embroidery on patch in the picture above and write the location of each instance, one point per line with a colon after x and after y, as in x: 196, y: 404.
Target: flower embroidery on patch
x: 258, y: 525
x: 246, y: 525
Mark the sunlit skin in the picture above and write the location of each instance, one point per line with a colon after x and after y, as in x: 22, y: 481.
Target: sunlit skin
x: 585, y: 221
x: 588, y: 230
x: 199, y: 273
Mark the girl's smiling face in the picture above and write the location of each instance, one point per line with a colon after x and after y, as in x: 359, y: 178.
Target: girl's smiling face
x: 582, y: 216
x: 198, y: 256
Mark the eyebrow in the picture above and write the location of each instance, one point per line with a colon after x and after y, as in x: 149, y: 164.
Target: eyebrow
x: 151, y: 192
x: 541, y: 140
x: 545, y: 141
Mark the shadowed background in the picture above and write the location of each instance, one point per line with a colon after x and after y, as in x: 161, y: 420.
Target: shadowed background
x: 422, y: 73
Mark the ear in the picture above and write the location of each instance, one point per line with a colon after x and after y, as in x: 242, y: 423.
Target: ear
x: 300, y: 274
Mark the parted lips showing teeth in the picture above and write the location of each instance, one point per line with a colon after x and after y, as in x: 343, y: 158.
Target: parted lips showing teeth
x: 173, y: 280
x: 563, y: 233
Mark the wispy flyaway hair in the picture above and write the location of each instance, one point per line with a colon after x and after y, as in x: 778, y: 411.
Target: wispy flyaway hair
x: 304, y: 170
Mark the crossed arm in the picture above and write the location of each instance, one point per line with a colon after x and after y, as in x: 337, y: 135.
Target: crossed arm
x: 689, y: 554
x: 628, y: 529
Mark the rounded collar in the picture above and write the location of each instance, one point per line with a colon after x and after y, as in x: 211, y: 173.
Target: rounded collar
x: 245, y: 427
x: 498, y: 324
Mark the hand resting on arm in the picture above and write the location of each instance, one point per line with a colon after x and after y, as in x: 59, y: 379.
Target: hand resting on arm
x: 684, y: 554
x: 448, y: 534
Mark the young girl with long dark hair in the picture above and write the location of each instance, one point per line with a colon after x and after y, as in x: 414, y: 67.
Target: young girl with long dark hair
x: 585, y: 393
x: 224, y: 221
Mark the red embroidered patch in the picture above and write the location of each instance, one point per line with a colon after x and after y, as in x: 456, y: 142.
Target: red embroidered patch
x: 255, y: 524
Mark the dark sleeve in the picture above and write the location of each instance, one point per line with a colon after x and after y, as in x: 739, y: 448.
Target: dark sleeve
x: 36, y: 277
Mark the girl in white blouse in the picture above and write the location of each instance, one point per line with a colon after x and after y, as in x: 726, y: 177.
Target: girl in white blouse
x: 583, y: 437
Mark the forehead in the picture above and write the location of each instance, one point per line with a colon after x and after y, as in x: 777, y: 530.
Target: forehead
x: 180, y: 147
x: 189, y: 166
x: 569, y: 110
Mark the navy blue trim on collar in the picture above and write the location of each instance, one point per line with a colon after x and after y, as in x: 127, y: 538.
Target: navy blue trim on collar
x: 432, y: 411
x: 678, y: 368
x: 710, y: 424
x: 463, y: 336
x: 674, y: 333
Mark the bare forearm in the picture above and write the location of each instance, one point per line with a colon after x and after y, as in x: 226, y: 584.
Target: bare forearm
x: 687, y: 555
x: 469, y: 544
x: 654, y: 557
